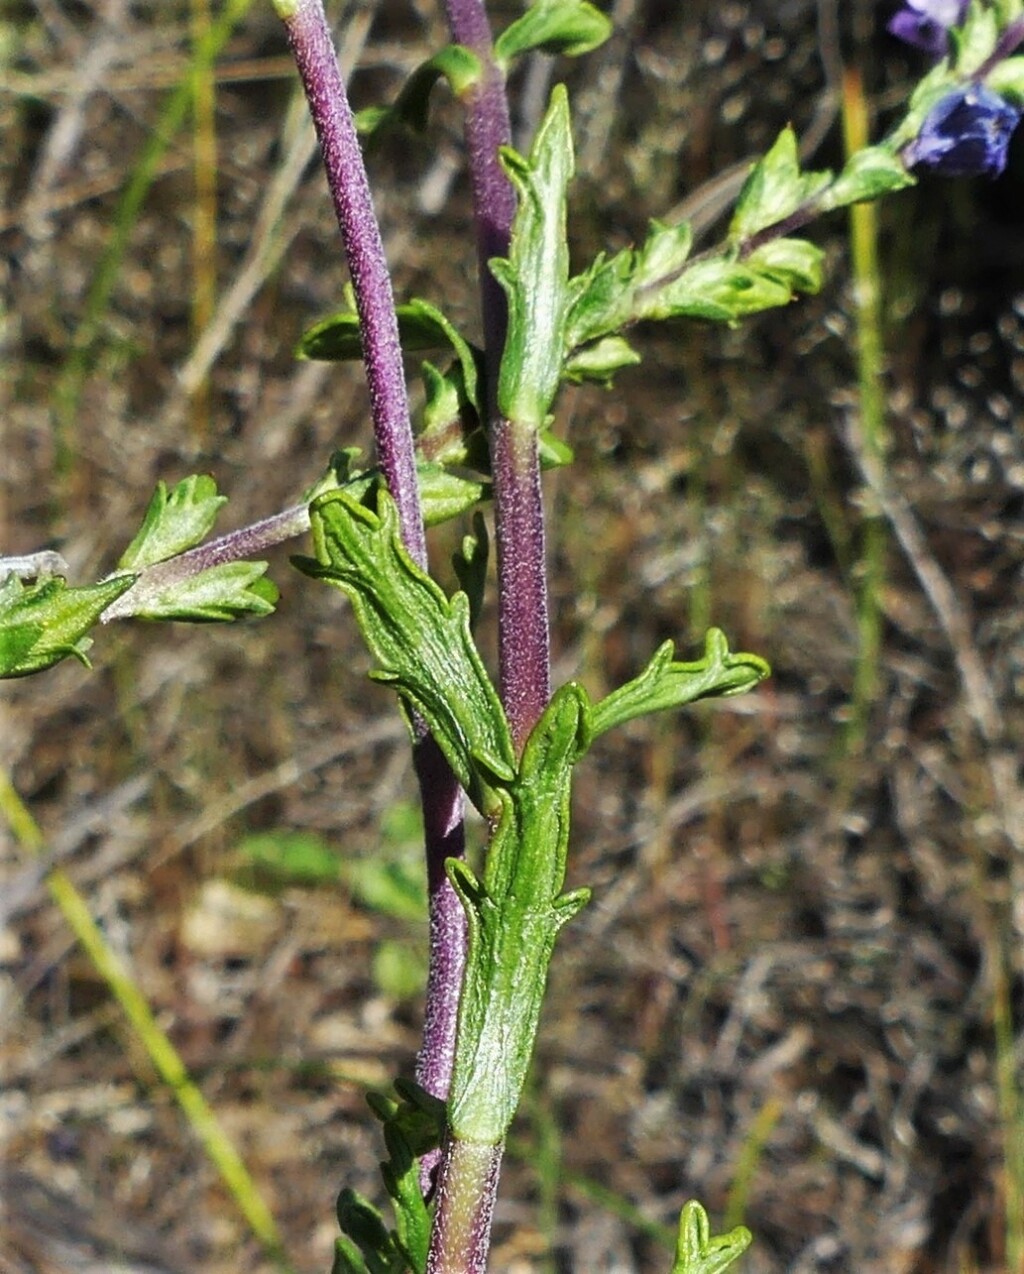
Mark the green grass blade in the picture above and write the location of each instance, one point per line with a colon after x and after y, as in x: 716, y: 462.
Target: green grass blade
x: 165, y: 1058
x: 871, y: 404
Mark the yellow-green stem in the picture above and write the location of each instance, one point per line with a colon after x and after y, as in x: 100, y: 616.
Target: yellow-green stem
x: 868, y: 325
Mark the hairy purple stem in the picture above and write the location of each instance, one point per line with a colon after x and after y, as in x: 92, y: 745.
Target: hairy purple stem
x: 445, y: 837
x: 310, y: 40
x: 468, y: 1174
x: 234, y: 546
x: 487, y: 127
x: 523, y: 645
x: 440, y: 793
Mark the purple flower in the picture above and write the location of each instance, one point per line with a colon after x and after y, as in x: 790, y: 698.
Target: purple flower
x: 965, y: 134
x: 926, y: 23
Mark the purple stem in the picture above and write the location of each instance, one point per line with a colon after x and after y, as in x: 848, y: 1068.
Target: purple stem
x: 310, y: 40
x: 247, y: 541
x: 445, y: 837
x: 468, y: 1174
x: 523, y: 644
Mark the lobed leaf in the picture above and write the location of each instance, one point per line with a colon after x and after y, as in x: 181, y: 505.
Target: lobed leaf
x: 618, y: 290
x: 220, y: 594
x: 420, y: 639
x: 697, y: 1252
x: 413, y: 1125
x: 44, y: 622
x: 175, y: 521
x: 666, y: 683
x: 720, y: 289
x: 513, y: 918
x: 536, y: 272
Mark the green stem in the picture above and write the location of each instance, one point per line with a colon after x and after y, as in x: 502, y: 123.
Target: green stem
x: 468, y: 1188
x: 870, y: 358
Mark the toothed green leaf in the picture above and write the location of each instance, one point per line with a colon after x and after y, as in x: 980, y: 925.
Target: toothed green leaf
x: 176, y: 520
x: 536, y: 272
x: 420, y: 639
x: 697, y: 1252
x: 44, y: 622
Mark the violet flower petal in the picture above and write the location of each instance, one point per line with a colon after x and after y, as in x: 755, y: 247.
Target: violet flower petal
x: 965, y: 134
x: 926, y: 23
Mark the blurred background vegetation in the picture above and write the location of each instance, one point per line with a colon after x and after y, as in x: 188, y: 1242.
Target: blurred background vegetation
x: 799, y: 992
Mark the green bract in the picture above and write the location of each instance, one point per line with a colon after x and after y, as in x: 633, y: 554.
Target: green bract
x: 774, y: 190
x: 869, y: 173
x: 975, y: 40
